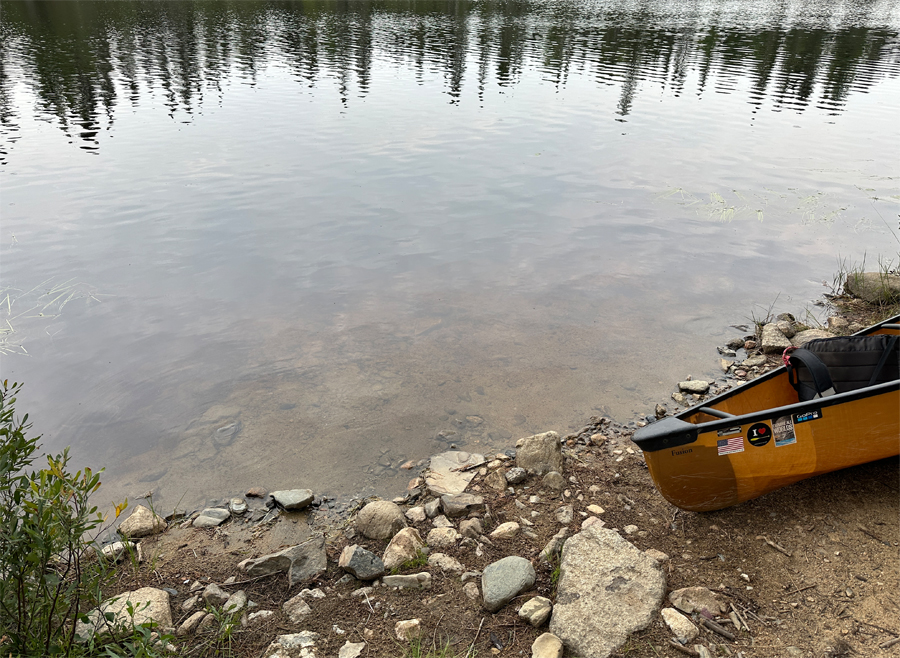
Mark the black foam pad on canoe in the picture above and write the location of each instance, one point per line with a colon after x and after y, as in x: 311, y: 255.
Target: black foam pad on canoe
x: 855, y: 362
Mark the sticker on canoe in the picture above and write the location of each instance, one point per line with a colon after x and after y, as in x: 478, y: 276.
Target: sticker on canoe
x: 729, y: 446
x: 759, y: 434
x: 729, y: 430
x: 783, y: 429
x: 806, y: 416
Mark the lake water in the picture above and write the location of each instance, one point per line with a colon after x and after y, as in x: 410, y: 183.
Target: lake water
x: 294, y: 244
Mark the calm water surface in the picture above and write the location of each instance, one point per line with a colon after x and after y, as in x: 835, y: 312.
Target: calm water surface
x: 294, y: 244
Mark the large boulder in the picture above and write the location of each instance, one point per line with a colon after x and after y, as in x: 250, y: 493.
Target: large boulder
x: 149, y: 606
x: 874, y: 287
x: 607, y: 589
x: 405, y: 546
x: 445, y: 474
x: 141, y: 523
x: 380, y: 519
x: 302, y: 562
x: 540, y: 453
x: 505, y: 579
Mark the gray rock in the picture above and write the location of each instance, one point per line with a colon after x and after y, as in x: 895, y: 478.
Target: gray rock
x: 363, y: 564
x: 471, y: 528
x: 407, y: 629
x: 294, y: 499
x: 433, y: 508
x: 190, y: 603
x: 149, y: 605
x: 142, y: 523
x: 255, y: 618
x: 682, y: 628
x: 445, y: 475
x: 351, y: 649
x: 235, y: 603
x: 505, y: 579
x: 539, y: 454
x: 471, y: 591
x: 237, y: 506
x: 214, y: 595
x: 118, y: 550
x: 553, y: 480
x: 380, y: 519
x: 296, y: 609
x: 302, y: 562
x: 874, y: 287
x: 441, y: 521
x: 679, y: 398
x: 190, y: 624
x: 460, y: 504
x: 607, y: 589
x: 411, y: 581
x: 211, y: 517
x: 725, y: 364
x: 735, y: 343
x: 294, y: 645
x: 786, y: 327
x: 773, y: 340
x: 696, y: 599
x: 728, y: 351
x: 554, y: 546
x: 516, y: 475
x: 536, y: 611
x: 207, y: 624
x: 697, y: 386
x: 837, y: 324
x: 565, y: 514
x: 547, y: 646
x: 810, y: 334
x: 758, y: 360
x: 405, y: 546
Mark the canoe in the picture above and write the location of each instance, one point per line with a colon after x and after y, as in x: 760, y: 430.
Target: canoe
x: 759, y: 437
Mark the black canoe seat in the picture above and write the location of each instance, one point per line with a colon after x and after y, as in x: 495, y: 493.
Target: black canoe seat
x: 826, y: 366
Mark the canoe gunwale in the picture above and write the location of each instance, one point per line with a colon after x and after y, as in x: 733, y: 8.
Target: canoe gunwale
x: 655, y: 437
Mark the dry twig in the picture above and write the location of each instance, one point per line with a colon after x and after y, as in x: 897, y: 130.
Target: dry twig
x: 780, y: 549
x: 683, y: 649
x: 713, y: 626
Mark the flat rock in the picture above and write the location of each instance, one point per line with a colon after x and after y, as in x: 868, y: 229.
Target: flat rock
x: 256, y: 492
x: 351, y: 649
x: 758, y: 360
x: 416, y: 514
x: 301, y: 562
x: 445, y: 563
x: 810, y: 334
x: 142, y: 523
x: 407, y: 630
x: 506, y: 530
x: 405, y: 546
x: 607, y: 589
x: 773, y: 340
x: 471, y: 528
x: 539, y: 454
x: 363, y: 564
x: 547, y: 646
x: 441, y: 521
x: 150, y: 606
x: 505, y: 579
x: 443, y: 537
x: 536, y: 611
x: 296, y: 609
x: 696, y: 599
x: 380, y: 519
x: 258, y: 617
x: 496, y: 480
x: 294, y: 499
x: 211, y: 517
x: 682, y: 628
x: 460, y: 504
x: 444, y: 476
x: 874, y: 287
x: 697, y: 386
x: 409, y: 581
x: 294, y: 645
x: 190, y: 624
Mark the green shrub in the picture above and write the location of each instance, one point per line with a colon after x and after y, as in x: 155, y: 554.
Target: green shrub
x: 49, y: 570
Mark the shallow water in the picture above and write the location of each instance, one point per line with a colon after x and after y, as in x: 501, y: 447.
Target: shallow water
x: 294, y: 244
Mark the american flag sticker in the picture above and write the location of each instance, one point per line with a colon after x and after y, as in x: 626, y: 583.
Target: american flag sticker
x: 728, y: 446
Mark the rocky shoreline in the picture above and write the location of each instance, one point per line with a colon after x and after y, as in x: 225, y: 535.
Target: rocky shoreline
x: 469, y: 559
